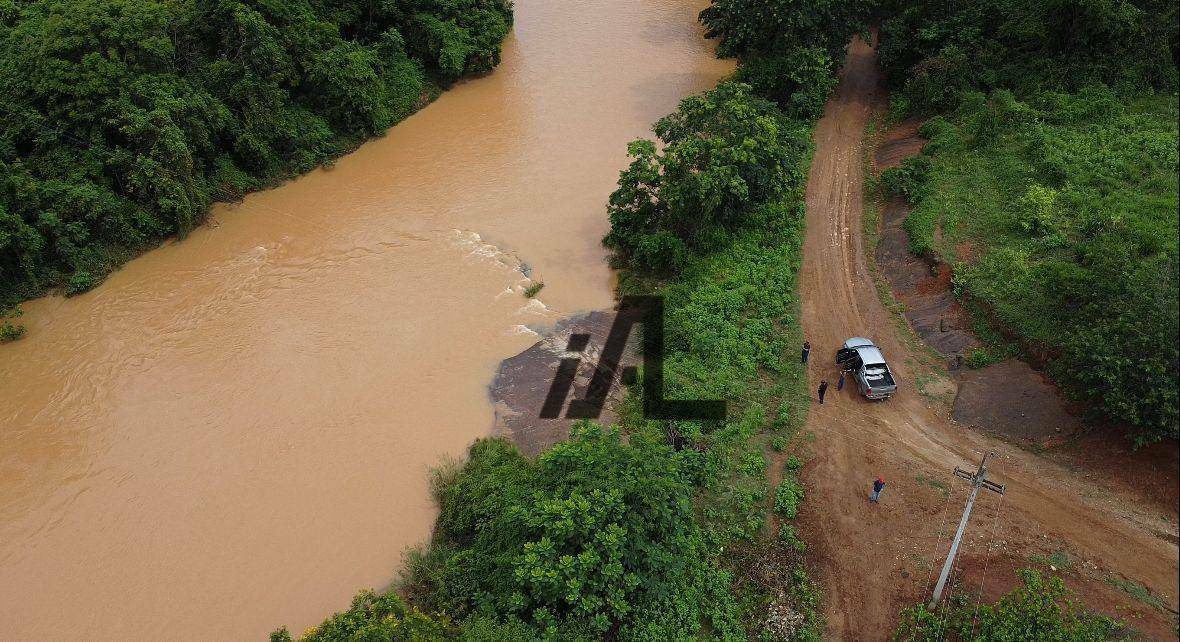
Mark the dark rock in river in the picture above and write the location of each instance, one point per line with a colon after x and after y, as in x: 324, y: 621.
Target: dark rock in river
x: 523, y: 381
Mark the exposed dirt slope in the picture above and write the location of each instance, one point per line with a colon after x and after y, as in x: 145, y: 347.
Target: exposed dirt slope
x: 874, y: 559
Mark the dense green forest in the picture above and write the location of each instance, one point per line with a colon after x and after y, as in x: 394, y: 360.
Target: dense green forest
x: 1050, y: 183
x: 124, y: 119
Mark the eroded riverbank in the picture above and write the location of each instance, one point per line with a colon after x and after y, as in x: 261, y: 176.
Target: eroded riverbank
x: 234, y: 431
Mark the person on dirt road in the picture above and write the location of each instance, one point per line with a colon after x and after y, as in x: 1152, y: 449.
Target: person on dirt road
x: 878, y: 486
x: 806, y: 350
x: 840, y: 382
x: 823, y: 390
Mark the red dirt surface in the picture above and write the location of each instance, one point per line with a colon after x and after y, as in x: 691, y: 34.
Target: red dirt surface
x: 875, y: 559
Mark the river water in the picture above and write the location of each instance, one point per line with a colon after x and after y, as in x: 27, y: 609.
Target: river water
x: 235, y: 431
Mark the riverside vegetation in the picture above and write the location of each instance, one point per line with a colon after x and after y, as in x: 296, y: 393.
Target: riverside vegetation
x: 619, y: 532
x: 123, y: 120
x: 648, y: 529
x: 1050, y: 183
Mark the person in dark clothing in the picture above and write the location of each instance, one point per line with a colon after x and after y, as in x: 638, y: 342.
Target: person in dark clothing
x: 878, y: 486
x: 823, y: 390
x: 840, y: 383
x: 806, y: 350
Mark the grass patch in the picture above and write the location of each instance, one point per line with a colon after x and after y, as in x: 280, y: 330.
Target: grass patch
x: 1058, y: 560
x: 534, y: 289
x: 1137, y: 591
x: 933, y: 483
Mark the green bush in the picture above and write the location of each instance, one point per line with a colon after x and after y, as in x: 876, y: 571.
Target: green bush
x: 788, y: 496
x: 907, y: 179
x: 754, y: 463
x: 595, y: 535
x: 800, y: 81
x: 788, y: 536
x: 932, y: 51
x: 1040, y: 609
x: 376, y: 617
x: 747, y: 29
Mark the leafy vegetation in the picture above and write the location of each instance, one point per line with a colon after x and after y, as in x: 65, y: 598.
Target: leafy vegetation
x: 722, y: 152
x: 788, y: 497
x: 933, y: 50
x: 1040, y: 609
x: 124, y: 119
x: 1060, y: 216
x: 594, y: 536
x: 789, y: 51
x: 601, y: 536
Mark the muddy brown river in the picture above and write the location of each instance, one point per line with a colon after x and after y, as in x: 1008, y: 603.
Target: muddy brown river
x: 235, y: 431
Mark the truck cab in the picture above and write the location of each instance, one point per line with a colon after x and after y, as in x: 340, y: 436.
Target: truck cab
x: 865, y: 362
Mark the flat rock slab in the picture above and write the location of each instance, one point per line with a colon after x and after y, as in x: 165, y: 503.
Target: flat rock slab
x: 925, y: 289
x: 1013, y: 399
x: 523, y: 381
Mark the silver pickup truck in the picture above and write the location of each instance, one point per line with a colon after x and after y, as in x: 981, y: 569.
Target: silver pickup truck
x: 866, y: 363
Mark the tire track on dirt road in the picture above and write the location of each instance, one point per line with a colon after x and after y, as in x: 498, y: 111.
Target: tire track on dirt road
x: 875, y: 559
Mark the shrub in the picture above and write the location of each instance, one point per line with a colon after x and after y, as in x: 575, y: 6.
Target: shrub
x: 1039, y: 609
x: 594, y: 535
x: 788, y: 536
x: 10, y: 331
x: 908, y: 178
x: 787, y: 497
x: 375, y: 617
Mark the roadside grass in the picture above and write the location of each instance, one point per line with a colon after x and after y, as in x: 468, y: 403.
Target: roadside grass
x: 1137, y: 591
x: 534, y: 289
x: 731, y: 332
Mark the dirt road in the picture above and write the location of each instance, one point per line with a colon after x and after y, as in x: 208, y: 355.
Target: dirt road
x: 875, y: 559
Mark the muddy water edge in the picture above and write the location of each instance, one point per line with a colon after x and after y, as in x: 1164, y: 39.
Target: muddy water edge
x: 234, y: 431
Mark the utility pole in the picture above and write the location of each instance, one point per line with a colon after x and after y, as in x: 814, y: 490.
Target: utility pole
x: 978, y: 480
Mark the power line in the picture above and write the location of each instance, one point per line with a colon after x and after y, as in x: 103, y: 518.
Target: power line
x: 986, y: 562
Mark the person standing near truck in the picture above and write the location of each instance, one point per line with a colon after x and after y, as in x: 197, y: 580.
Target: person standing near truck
x: 840, y: 382
x: 823, y: 390
x: 806, y: 350
x: 878, y: 486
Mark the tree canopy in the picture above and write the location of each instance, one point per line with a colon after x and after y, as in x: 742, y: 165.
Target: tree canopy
x: 124, y: 119
x: 933, y: 49
x: 723, y: 151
